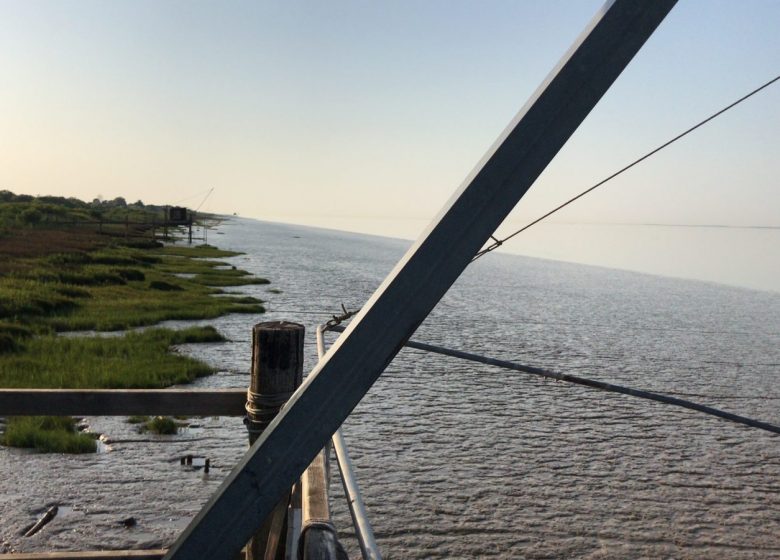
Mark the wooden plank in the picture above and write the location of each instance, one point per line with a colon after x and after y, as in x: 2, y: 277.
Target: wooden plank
x: 122, y: 402
x: 91, y: 555
x: 422, y: 277
x: 314, y: 492
x: 318, y: 533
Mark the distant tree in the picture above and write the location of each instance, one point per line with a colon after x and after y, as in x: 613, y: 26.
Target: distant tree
x: 55, y: 200
x: 7, y: 196
x: 31, y: 216
x: 52, y: 210
x: 118, y: 202
x: 138, y: 203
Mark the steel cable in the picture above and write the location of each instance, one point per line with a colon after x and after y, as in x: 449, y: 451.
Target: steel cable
x: 498, y: 242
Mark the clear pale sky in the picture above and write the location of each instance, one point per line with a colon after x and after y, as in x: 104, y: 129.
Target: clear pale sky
x: 365, y: 116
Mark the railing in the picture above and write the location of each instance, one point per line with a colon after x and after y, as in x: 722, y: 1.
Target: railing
x: 300, y: 525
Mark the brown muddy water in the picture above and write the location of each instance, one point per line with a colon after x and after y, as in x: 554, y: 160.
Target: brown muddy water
x: 457, y: 460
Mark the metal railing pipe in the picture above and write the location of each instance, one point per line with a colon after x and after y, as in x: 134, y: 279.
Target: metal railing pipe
x: 357, y: 508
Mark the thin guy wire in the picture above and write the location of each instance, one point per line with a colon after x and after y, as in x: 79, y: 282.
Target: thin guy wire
x: 592, y: 383
x: 211, y: 190
x: 498, y: 242
x: 197, y: 194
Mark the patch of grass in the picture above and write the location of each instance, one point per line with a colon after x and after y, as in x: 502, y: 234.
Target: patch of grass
x: 137, y: 360
x: 164, y: 286
x: 50, y: 434
x: 104, y: 289
x: 12, y: 337
x: 163, y: 425
x: 137, y: 419
x: 121, y: 307
x: 274, y: 290
x: 142, y: 244
x: 199, y: 251
x: 196, y: 335
x: 221, y: 278
x: 246, y: 299
x: 56, y: 277
x: 68, y: 259
x: 177, y: 264
x: 72, y: 292
x: 131, y: 274
x: 91, y: 276
x: 21, y: 297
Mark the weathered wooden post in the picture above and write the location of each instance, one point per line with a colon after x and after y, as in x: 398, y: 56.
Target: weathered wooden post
x: 277, y: 371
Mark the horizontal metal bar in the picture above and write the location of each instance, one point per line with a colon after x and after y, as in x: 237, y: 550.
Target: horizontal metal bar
x: 592, y: 383
x: 92, y: 555
x: 122, y: 402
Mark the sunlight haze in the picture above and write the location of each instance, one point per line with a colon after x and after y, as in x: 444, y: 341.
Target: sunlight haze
x: 367, y: 116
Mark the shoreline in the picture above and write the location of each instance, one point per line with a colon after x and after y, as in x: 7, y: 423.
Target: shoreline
x: 120, y: 286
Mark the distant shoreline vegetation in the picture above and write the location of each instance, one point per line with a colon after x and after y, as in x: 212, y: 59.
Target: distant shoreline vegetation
x: 58, y: 272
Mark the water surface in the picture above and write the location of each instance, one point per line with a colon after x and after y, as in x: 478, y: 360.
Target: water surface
x: 458, y: 460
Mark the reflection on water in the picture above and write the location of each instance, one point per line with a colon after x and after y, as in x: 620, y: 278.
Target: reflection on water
x: 458, y: 460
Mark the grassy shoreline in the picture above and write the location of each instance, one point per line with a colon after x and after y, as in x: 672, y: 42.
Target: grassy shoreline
x: 103, y: 284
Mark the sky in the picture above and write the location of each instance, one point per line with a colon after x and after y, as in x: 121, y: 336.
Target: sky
x: 366, y: 116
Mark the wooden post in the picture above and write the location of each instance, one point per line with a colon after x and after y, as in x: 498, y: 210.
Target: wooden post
x: 277, y: 371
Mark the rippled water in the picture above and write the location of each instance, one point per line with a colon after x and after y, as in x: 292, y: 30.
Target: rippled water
x: 457, y: 460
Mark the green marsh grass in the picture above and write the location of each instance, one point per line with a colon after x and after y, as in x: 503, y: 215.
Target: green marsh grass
x: 101, y: 292
x: 49, y: 434
x: 163, y: 425
x: 137, y: 360
x: 55, y: 280
x: 199, y: 251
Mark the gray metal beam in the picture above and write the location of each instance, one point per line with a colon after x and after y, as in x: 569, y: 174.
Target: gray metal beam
x: 420, y: 279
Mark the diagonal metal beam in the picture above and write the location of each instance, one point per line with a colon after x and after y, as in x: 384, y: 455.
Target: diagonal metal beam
x: 420, y: 279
